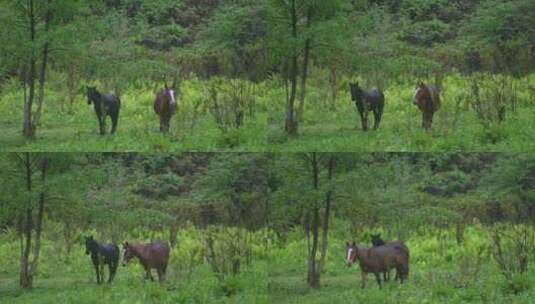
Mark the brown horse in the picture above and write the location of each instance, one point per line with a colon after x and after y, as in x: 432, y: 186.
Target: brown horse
x: 379, y: 260
x: 427, y: 98
x: 152, y: 255
x: 165, y: 106
x: 378, y: 241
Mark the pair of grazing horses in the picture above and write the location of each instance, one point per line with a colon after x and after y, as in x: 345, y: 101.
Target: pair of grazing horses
x: 106, y: 105
x: 380, y: 259
x: 426, y: 98
x: 154, y: 255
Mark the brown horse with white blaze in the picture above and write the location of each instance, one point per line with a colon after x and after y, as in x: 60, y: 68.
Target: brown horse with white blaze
x: 165, y: 106
x: 154, y: 255
x: 427, y: 98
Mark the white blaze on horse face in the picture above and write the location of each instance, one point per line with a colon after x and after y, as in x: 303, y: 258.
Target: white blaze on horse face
x: 415, y: 94
x: 172, y: 94
x: 349, y: 254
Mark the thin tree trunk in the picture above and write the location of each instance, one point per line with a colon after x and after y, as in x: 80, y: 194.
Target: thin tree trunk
x: 309, y: 248
x: 25, y: 276
x: 291, y: 122
x: 28, y: 103
x: 42, y: 72
x: 39, y: 224
x: 334, y: 87
x: 314, y: 274
x: 314, y: 271
x: 325, y: 234
x: 71, y: 84
x: 173, y: 230
x: 68, y: 236
x: 304, y: 75
x: 459, y: 233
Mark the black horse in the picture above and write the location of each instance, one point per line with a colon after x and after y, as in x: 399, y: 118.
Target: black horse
x: 101, y: 255
x: 377, y: 240
x: 367, y: 101
x: 104, y: 105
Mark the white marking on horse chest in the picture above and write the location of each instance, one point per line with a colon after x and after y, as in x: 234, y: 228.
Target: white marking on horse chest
x: 172, y: 94
x: 416, y: 93
x: 349, y: 253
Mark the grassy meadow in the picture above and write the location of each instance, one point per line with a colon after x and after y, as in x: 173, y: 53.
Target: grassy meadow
x: 325, y: 126
x: 440, y: 272
x: 71, y: 278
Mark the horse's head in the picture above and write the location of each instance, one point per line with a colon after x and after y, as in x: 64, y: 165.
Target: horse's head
x: 351, y: 253
x: 89, y: 244
x: 356, y: 91
x: 128, y: 253
x: 420, y: 93
x: 92, y: 94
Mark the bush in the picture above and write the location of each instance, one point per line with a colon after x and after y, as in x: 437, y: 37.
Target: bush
x: 517, y: 284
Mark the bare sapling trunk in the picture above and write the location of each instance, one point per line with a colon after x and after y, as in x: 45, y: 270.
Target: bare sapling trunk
x: 25, y: 280
x: 27, y: 130
x: 325, y: 226
x: 42, y: 72
x: 39, y: 220
x: 304, y: 74
x: 291, y: 119
x: 313, y: 271
x: 333, y: 79
x: 28, y: 269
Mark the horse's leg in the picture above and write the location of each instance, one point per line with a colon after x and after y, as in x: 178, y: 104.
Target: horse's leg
x: 377, y: 118
x: 110, y: 269
x: 96, y: 271
x: 423, y: 119
x: 167, y: 122
x: 164, y: 271
x: 164, y: 124
x: 148, y: 274
x: 114, y: 121
x: 160, y: 274
x: 364, y: 276
x: 378, y: 278
x: 380, y: 109
x: 101, y: 266
x: 399, y: 274
x: 404, y: 273
x: 101, y: 126
x: 104, y: 124
x: 364, y: 120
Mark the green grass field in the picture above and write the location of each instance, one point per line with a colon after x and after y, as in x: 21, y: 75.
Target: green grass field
x: 456, y: 126
x: 440, y: 272
x: 71, y: 279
